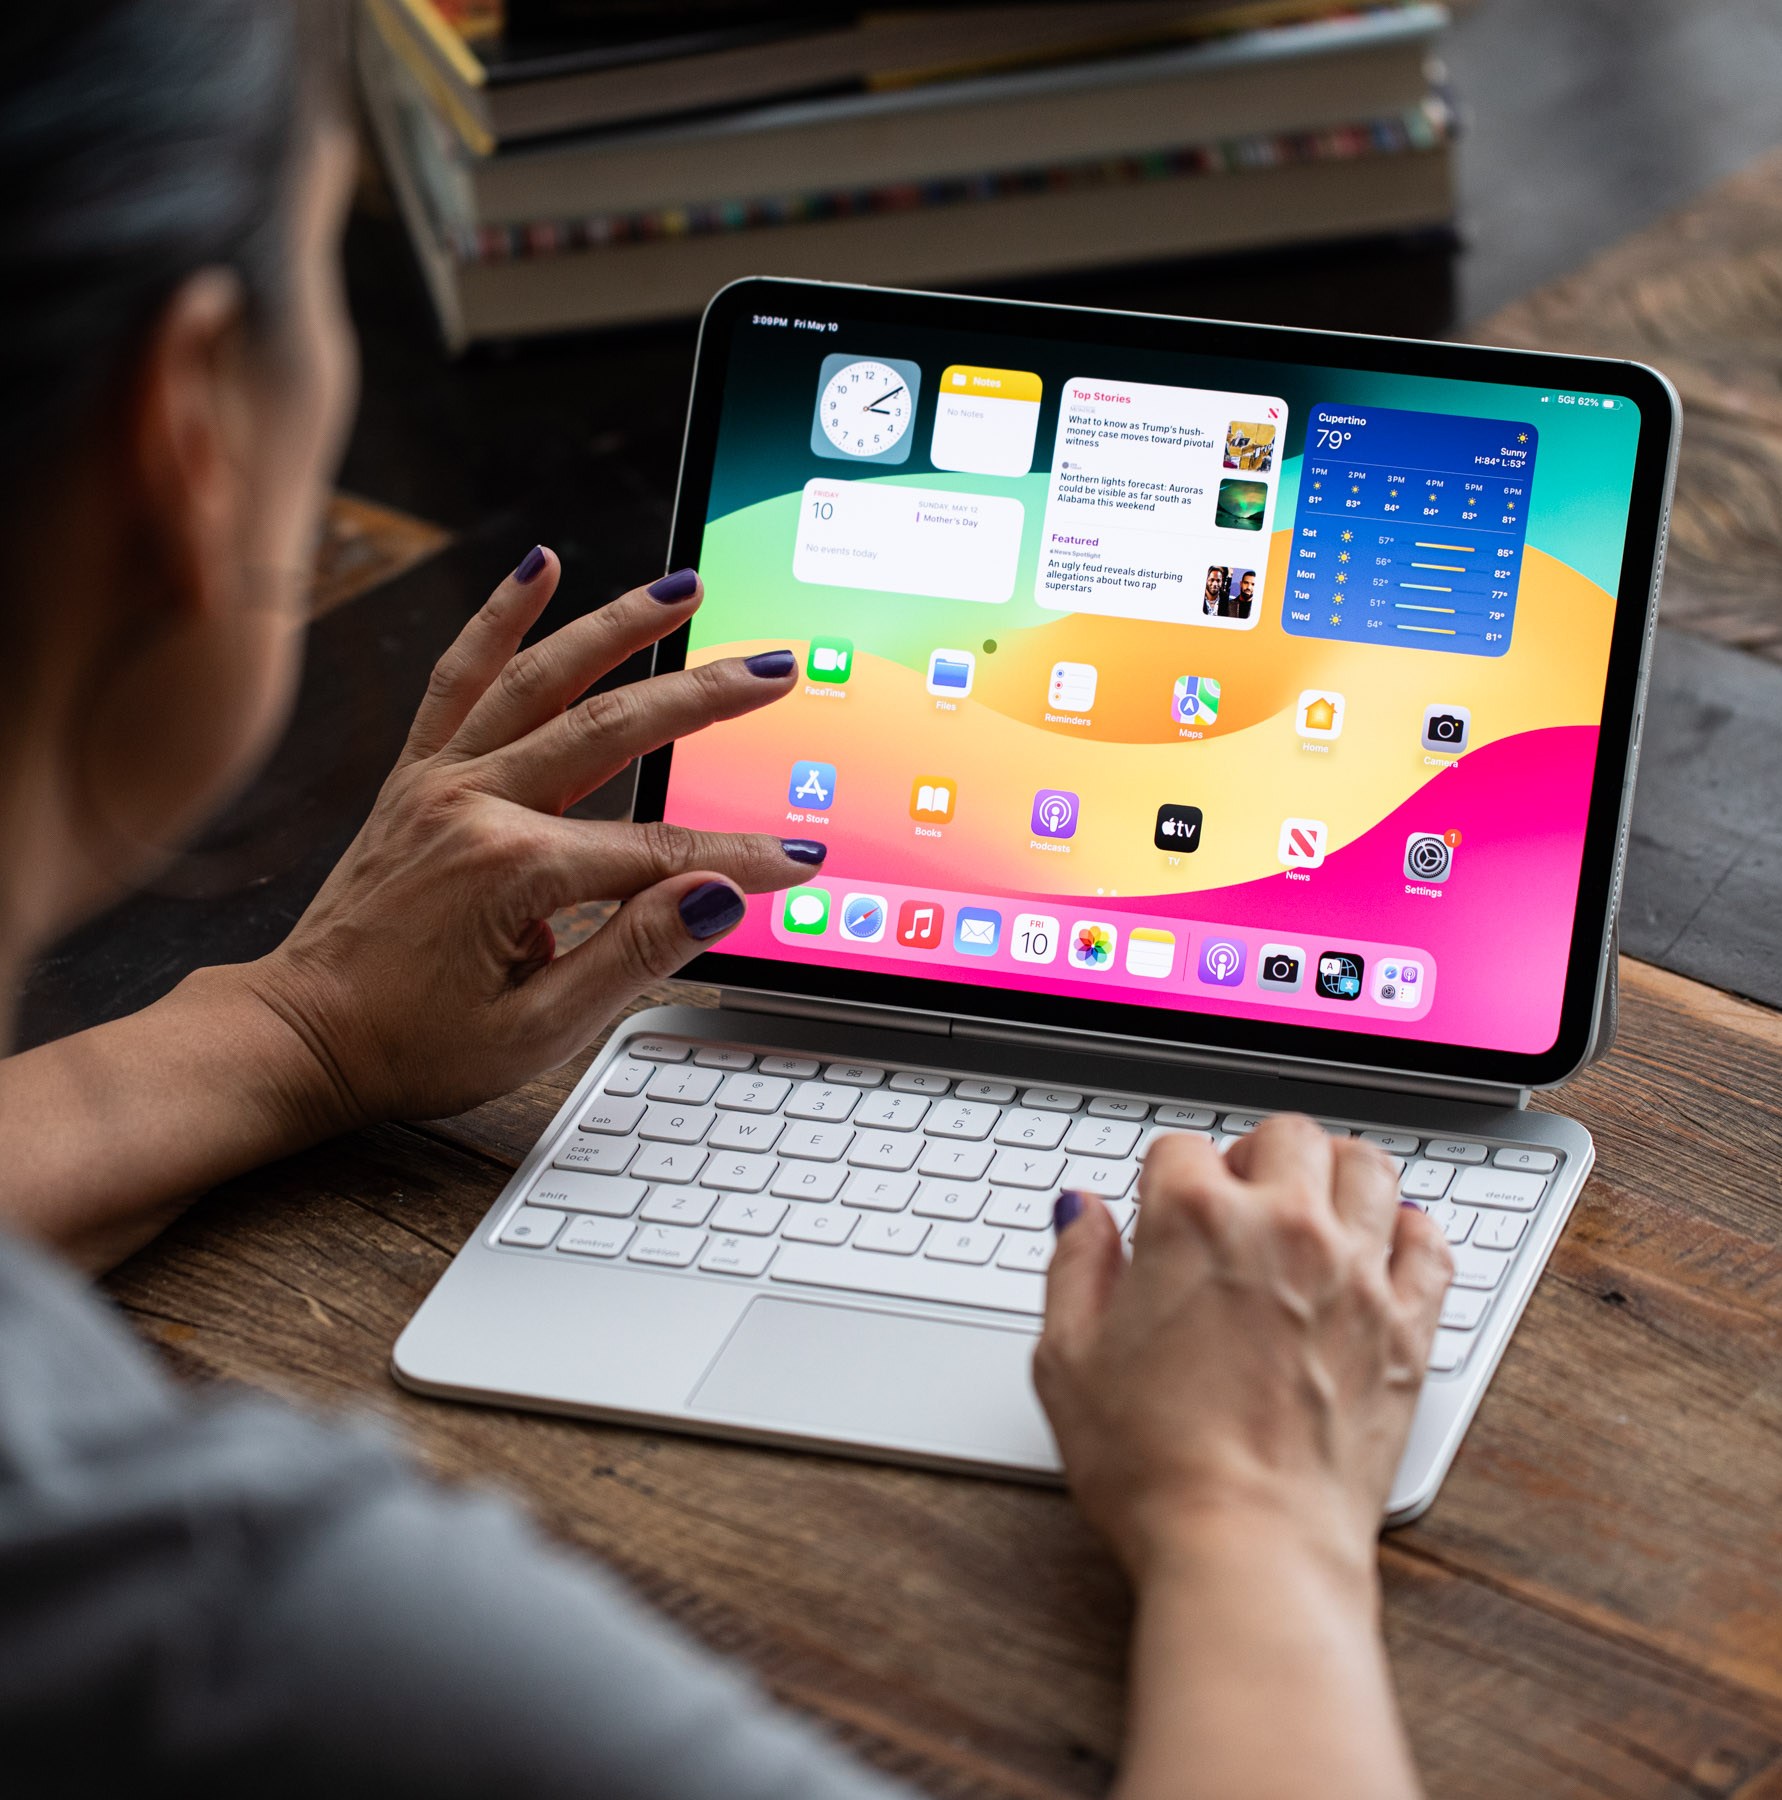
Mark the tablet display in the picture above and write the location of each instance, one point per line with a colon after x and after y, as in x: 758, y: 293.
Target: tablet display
x: 1243, y: 688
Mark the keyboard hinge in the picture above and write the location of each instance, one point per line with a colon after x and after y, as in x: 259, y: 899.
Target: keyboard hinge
x: 884, y: 1018
x: 1282, y: 1068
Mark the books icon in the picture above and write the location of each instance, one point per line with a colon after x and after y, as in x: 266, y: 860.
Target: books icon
x: 931, y: 799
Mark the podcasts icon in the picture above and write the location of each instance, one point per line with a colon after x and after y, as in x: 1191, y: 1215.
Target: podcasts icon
x: 1054, y: 813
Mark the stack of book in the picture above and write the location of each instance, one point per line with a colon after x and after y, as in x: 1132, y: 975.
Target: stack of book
x: 631, y: 166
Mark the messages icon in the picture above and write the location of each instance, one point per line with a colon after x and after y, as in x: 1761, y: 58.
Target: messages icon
x: 807, y: 911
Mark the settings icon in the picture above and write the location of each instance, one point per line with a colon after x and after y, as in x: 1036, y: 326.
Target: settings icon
x: 1428, y: 857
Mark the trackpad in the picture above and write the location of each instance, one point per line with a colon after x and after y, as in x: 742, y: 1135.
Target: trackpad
x: 881, y: 1379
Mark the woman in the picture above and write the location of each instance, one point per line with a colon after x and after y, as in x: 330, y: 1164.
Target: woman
x: 229, y: 1597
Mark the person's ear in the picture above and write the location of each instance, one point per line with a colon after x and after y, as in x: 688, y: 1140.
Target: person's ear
x: 185, y: 440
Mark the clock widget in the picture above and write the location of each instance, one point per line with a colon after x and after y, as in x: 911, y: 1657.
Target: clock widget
x: 866, y: 406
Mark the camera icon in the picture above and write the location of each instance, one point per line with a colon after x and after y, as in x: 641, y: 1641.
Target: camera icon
x: 1446, y: 729
x: 1427, y: 857
x: 1281, y: 967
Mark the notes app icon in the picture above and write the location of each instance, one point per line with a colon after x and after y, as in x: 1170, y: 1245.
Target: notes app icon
x: 1150, y: 953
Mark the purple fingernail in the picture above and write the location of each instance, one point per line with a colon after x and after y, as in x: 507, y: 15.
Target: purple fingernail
x: 710, y: 908
x: 531, y: 565
x: 1410, y: 1206
x: 804, y: 850
x: 771, y: 665
x: 678, y: 584
x: 1065, y: 1209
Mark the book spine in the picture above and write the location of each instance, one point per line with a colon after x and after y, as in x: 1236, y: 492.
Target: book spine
x: 1423, y: 127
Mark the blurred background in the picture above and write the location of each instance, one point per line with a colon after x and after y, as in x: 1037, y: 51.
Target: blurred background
x: 553, y: 188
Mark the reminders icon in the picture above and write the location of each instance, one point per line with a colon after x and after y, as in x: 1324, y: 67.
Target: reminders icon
x: 1150, y: 953
x: 950, y: 673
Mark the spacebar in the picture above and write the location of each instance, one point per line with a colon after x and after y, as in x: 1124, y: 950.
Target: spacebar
x: 910, y: 1278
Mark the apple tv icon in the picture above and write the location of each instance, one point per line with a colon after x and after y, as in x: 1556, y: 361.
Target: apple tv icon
x: 1178, y: 829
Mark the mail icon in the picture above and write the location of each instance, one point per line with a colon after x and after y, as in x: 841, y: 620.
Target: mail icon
x: 977, y: 930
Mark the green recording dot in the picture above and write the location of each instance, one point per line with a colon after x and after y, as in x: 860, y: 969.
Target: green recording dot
x: 989, y: 646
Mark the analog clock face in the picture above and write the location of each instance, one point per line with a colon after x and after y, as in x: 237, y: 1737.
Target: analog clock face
x: 865, y: 408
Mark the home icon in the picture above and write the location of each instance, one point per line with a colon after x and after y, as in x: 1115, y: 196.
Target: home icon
x: 1320, y: 714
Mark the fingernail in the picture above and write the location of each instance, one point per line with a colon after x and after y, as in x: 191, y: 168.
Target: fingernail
x: 531, y: 565
x: 678, y: 584
x: 771, y: 665
x: 1410, y: 1205
x: 711, y: 907
x: 804, y: 850
x: 1065, y: 1209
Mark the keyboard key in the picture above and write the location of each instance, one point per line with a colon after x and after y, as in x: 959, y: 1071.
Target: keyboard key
x: 745, y: 1131
x: 958, y: 1200
x: 919, y: 1081
x: 901, y: 1278
x: 588, y: 1236
x: 1123, y: 1212
x: 962, y: 1244
x: 672, y: 1246
x: 1031, y: 1129
x: 821, y: 1143
x: 678, y: 1206
x: 884, y: 1150
x: 1476, y: 1268
x: 1538, y: 1162
x: 755, y: 1093
x: 808, y: 1181
x: 1456, y: 1221
x: 749, y: 1214
x: 859, y: 1075
x: 668, y: 1162
x: 533, y: 1227
x: 1238, y: 1124
x: 890, y: 1112
x: 1448, y: 1351
x: 1332, y: 1129
x: 821, y: 1100
x: 1100, y: 1175
x: 1111, y: 1106
x: 1500, y: 1187
x: 794, y: 1068
x: 1499, y: 1230
x: 615, y: 1195
x: 964, y: 1162
x: 658, y: 1049
x: 1185, y: 1118
x: 1169, y: 1131
x: 738, y: 1172
x: 1456, y: 1150
x: 958, y: 1118
x: 595, y: 1155
x: 1027, y: 1168
x: 690, y: 1086
x: 1110, y: 1138
x: 719, y: 1056
x: 879, y: 1193
x: 1029, y: 1251
x: 1065, y: 1100
x: 676, y: 1124
x: 1426, y: 1180
x: 614, y: 1118
x: 1464, y: 1309
x: 891, y: 1237
x: 1394, y: 1143
x: 1019, y: 1209
x: 819, y: 1225
x: 626, y: 1077
x: 731, y: 1255
x: 994, y: 1093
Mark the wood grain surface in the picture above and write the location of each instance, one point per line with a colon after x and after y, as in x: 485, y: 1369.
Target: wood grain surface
x: 1699, y: 295
x: 1592, y: 1608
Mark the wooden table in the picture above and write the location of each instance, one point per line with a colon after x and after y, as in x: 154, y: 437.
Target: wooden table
x: 1592, y: 1608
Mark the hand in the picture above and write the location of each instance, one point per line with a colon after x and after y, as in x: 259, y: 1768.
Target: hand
x: 423, y: 977
x: 1257, y: 1365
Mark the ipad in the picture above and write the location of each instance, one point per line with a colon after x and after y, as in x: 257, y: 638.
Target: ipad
x: 1208, y: 685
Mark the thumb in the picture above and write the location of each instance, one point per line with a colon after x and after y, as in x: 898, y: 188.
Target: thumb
x: 1086, y: 1265
x: 651, y: 937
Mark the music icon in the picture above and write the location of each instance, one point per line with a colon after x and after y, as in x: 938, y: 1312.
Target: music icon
x: 919, y: 924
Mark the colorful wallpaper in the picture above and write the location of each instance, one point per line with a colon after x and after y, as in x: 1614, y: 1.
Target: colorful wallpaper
x: 1480, y: 929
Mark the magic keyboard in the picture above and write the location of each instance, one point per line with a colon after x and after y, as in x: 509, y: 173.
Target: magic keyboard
x: 908, y: 1183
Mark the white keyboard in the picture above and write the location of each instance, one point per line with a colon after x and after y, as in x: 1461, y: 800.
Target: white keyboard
x: 906, y: 1183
